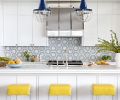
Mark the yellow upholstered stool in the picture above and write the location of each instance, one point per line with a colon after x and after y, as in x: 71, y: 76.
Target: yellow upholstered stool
x: 103, y: 89
x: 19, y: 89
x: 60, y: 90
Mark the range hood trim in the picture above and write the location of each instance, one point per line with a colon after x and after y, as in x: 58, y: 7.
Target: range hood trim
x: 72, y: 33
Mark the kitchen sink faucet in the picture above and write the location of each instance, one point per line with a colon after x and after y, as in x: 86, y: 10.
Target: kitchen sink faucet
x: 66, y: 58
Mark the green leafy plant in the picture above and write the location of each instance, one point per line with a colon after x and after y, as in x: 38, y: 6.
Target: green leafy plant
x: 27, y: 55
x: 112, y: 45
x: 106, y: 57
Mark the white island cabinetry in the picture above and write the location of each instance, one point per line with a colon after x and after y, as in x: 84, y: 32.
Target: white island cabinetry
x: 80, y: 81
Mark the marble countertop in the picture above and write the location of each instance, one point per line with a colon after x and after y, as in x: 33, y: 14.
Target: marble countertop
x: 39, y: 68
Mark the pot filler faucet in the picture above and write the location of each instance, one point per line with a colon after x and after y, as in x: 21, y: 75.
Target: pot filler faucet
x: 66, y: 57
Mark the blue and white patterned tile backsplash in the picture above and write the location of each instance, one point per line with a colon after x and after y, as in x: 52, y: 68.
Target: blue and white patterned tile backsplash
x: 56, y: 50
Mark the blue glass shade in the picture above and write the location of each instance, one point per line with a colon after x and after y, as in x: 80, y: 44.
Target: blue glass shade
x: 42, y: 6
x: 83, y: 6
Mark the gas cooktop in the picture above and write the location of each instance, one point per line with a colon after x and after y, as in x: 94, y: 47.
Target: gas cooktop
x: 72, y: 62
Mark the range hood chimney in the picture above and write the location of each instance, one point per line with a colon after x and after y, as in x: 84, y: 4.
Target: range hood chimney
x: 64, y: 22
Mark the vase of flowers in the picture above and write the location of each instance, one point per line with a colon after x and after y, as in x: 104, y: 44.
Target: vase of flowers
x: 113, y: 45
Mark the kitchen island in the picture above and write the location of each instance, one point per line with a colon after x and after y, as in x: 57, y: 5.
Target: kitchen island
x: 40, y: 76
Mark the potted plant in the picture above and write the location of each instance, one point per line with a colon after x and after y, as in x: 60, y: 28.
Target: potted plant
x: 27, y: 55
x: 113, y: 45
x: 106, y: 58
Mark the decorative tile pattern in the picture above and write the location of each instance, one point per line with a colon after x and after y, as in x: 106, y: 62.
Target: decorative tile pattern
x: 56, y: 50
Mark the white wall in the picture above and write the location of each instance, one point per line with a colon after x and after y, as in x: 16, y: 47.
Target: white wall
x: 2, y: 51
x: 106, y: 17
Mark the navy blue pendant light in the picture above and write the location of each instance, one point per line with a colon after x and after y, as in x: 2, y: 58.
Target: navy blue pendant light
x: 83, y: 5
x: 42, y: 5
x: 42, y: 9
x: 83, y: 10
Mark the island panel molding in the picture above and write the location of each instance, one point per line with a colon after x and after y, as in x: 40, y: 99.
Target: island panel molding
x: 81, y: 85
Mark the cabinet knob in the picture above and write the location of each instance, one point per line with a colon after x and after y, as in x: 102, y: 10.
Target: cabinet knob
x: 31, y: 44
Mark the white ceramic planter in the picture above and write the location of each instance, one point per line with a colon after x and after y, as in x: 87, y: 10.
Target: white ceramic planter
x: 117, y: 59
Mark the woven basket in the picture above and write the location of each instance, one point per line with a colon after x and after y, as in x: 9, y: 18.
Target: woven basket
x: 3, y: 64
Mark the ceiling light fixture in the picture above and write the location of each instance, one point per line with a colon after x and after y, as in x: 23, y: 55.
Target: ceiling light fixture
x: 42, y: 11
x: 84, y: 12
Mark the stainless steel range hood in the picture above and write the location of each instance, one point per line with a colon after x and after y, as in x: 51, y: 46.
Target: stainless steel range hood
x: 64, y: 22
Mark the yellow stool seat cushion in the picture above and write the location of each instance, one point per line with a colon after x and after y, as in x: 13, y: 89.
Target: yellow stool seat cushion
x: 60, y: 90
x: 19, y: 89
x: 103, y: 89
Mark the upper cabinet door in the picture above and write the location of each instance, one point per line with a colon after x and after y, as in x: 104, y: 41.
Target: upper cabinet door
x: 116, y: 19
x: 90, y: 27
x: 39, y: 33
x: 1, y: 24
x: 105, y: 19
x: 10, y: 23
x: 25, y: 23
x: 24, y: 30
x: 10, y: 30
x: 90, y: 32
x: 104, y: 26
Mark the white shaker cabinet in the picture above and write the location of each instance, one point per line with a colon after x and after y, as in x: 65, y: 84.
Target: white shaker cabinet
x: 81, y: 85
x: 19, y: 26
x: 90, y: 27
x: 30, y: 31
x: 25, y: 23
x: 1, y: 24
x: 8, y: 80
x: 84, y: 87
x: 71, y: 80
x: 39, y: 33
x: 104, y: 27
x: 105, y: 14
x: 116, y: 18
x: 32, y: 80
x: 108, y: 79
x: 24, y: 30
x: 90, y: 32
x: 44, y: 83
x: 4, y: 82
x: 10, y: 23
x: 10, y: 30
